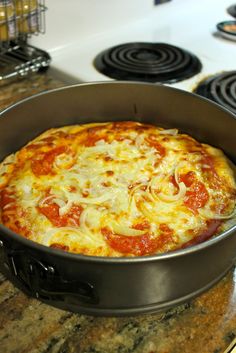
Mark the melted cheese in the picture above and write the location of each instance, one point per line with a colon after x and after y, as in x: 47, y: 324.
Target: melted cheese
x: 116, y: 189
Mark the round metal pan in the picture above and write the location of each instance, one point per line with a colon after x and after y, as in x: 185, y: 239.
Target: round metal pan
x: 116, y: 286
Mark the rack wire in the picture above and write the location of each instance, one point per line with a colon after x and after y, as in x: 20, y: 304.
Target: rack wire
x: 19, y: 20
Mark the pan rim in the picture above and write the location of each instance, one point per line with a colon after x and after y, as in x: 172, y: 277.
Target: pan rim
x: 118, y: 260
x: 97, y: 83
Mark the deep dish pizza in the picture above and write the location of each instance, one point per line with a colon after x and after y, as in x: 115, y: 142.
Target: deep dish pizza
x: 116, y: 189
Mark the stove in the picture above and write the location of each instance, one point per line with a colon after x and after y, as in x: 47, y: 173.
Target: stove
x: 175, y: 43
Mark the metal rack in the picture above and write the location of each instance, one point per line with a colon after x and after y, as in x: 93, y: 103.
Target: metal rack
x: 19, y: 20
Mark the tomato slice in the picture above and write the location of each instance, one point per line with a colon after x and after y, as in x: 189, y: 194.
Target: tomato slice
x: 71, y: 218
x: 42, y: 164
x: 197, y: 196
x: 137, y: 245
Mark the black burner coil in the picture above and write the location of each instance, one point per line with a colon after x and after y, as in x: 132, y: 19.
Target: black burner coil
x: 149, y: 62
x: 220, y: 88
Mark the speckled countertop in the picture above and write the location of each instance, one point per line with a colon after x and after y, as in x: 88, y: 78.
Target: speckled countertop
x: 204, y: 325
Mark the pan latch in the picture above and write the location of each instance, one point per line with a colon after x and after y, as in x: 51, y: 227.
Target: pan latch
x: 45, y: 283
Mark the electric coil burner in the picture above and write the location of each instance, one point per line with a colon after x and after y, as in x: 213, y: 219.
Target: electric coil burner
x: 150, y: 62
x: 220, y: 88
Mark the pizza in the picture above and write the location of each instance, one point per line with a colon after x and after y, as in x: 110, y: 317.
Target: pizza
x: 117, y: 189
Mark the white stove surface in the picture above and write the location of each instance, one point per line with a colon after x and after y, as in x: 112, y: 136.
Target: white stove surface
x: 188, y: 24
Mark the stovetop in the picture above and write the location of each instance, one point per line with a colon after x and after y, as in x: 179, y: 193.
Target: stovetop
x: 187, y: 24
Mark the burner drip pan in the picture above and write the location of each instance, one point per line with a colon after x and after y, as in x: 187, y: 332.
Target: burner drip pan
x: 220, y: 88
x: 149, y: 62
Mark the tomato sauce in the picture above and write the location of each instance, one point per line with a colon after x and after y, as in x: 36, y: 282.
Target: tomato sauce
x: 138, y: 245
x: 11, y: 216
x: 71, y: 218
x: 43, y: 163
x: 93, y: 135
x: 142, y: 225
x: 208, y: 167
x: 17, y: 227
x: 152, y: 141
x: 187, y: 178
x: 6, y: 197
x: 197, y: 196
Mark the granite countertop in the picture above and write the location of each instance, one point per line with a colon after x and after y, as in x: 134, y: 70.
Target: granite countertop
x: 204, y: 325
